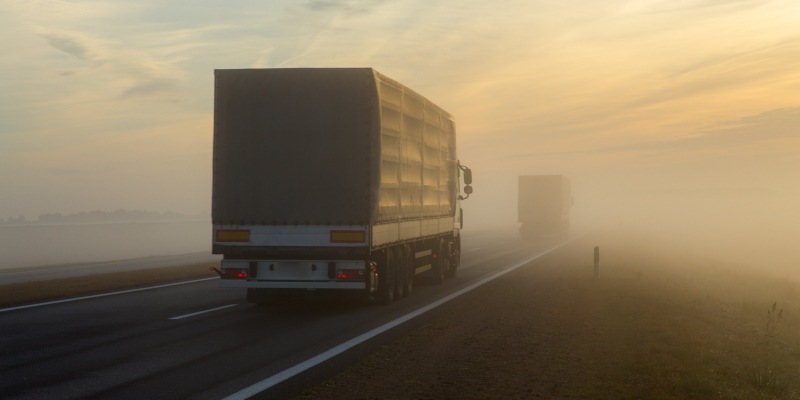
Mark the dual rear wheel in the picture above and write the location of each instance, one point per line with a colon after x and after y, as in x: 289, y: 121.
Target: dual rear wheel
x: 396, y: 270
x: 387, y: 273
x: 396, y: 277
x: 408, y: 268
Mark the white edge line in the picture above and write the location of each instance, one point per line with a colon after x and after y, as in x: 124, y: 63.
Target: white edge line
x: 203, y: 312
x: 322, y: 357
x: 2, y: 310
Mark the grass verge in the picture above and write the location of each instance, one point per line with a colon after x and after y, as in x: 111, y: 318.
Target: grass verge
x: 659, y: 323
x: 31, y: 292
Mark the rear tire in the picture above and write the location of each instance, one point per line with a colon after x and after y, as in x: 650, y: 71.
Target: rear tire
x: 386, y: 279
x: 452, y: 263
x: 400, y: 274
x: 408, y: 269
x: 440, y: 264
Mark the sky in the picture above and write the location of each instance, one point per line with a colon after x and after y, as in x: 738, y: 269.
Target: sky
x: 679, y: 113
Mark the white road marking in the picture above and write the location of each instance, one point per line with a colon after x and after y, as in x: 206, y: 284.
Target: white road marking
x: 475, y: 249
x: 204, y: 311
x: 322, y: 357
x: 2, y: 310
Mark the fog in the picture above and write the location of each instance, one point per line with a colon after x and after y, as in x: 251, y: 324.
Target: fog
x: 740, y: 211
x: 676, y: 119
x: 744, y: 213
x: 34, y: 245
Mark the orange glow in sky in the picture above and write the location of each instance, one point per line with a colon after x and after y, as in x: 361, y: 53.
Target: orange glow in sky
x: 649, y: 105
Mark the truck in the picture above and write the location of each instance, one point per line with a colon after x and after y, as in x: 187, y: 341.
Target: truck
x: 338, y: 180
x: 544, y: 205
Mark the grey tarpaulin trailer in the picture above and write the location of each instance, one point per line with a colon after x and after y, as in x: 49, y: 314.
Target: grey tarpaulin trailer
x: 332, y: 178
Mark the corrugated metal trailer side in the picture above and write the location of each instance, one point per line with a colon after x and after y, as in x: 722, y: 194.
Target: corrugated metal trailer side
x: 331, y: 178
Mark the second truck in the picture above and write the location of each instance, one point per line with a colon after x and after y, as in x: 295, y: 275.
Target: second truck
x: 332, y: 179
x: 544, y: 206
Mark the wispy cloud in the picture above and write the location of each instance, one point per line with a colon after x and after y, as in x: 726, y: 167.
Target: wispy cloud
x: 730, y: 139
x: 570, y: 81
x: 682, y: 6
x: 69, y: 44
x: 135, y: 73
x: 150, y: 87
x: 352, y: 7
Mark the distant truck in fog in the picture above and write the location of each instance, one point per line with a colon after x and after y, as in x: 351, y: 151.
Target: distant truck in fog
x: 544, y: 206
x: 335, y: 179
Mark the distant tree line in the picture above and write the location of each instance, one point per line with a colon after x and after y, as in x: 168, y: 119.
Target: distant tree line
x: 98, y: 216
x: 12, y: 220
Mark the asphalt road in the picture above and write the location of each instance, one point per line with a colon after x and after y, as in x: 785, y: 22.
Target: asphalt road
x: 195, y: 340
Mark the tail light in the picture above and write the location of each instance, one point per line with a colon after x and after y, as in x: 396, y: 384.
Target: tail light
x: 350, y: 274
x: 234, y: 273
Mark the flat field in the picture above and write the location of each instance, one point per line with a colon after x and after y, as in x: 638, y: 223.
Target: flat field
x: 659, y: 323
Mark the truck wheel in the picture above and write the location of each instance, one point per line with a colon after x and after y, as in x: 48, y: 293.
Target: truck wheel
x: 386, y: 281
x: 400, y: 274
x: 457, y: 255
x: 440, y: 264
x: 452, y: 261
x: 407, y: 266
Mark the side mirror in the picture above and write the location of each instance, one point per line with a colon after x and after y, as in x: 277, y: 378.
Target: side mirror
x: 468, y: 190
x: 468, y: 178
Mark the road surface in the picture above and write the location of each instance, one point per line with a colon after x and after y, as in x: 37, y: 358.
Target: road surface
x: 194, y: 340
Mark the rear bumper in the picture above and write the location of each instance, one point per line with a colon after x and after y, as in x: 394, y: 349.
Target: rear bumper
x: 250, y: 284
x: 299, y: 274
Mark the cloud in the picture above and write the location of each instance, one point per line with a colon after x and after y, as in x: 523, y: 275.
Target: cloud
x: 69, y: 45
x: 754, y: 80
x: 676, y: 6
x: 132, y: 73
x: 149, y: 87
x: 744, y: 56
x: 781, y: 123
x: 528, y: 82
x: 345, y: 7
x: 777, y: 124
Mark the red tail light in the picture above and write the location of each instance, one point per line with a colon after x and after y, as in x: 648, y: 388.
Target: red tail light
x: 234, y: 273
x: 350, y: 274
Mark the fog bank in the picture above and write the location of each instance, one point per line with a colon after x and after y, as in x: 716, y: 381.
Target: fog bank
x: 754, y: 224
x: 39, y: 245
